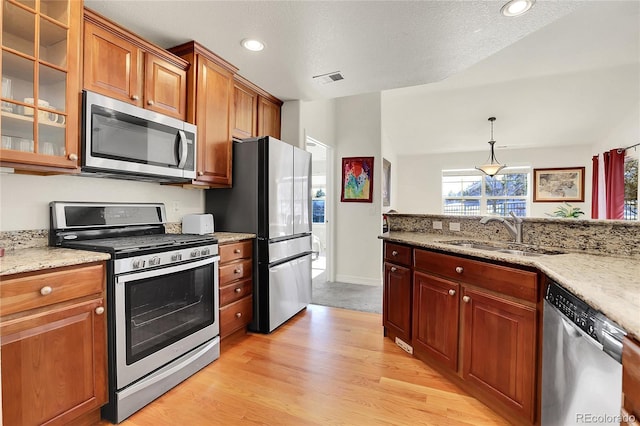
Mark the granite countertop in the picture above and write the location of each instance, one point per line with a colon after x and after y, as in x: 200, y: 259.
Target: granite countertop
x: 43, y: 258
x: 608, y: 284
x: 232, y: 237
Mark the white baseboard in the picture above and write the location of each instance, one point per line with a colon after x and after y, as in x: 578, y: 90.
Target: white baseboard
x: 352, y: 279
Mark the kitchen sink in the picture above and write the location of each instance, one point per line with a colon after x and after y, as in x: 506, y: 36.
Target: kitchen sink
x: 515, y: 249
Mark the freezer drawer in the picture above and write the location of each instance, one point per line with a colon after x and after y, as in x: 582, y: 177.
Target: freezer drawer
x: 289, y: 289
x: 289, y: 248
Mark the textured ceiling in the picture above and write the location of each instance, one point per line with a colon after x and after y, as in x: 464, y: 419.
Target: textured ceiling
x: 377, y: 45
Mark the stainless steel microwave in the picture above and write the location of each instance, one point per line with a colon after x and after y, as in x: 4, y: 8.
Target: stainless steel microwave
x: 125, y: 141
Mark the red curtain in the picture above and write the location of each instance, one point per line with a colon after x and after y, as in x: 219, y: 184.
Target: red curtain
x: 594, y: 187
x: 614, y: 183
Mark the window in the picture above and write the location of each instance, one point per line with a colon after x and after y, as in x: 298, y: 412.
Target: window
x: 630, y: 188
x: 469, y: 192
x: 318, y: 211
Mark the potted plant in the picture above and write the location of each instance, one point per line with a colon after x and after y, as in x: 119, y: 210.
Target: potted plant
x: 567, y: 210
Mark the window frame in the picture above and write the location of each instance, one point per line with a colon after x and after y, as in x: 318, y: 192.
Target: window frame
x: 484, y: 198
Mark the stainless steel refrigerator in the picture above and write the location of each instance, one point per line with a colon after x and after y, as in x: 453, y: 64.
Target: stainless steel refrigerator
x: 271, y: 197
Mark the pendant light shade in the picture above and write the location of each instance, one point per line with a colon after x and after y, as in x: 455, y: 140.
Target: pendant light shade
x: 492, y: 167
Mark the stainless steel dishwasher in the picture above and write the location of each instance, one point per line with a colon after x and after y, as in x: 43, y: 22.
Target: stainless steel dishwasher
x: 581, y: 369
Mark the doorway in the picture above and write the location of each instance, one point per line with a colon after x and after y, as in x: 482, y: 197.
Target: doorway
x: 321, y: 189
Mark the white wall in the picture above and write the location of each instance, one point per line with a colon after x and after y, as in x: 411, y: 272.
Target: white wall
x: 420, y: 177
x: 357, y: 225
x: 24, y: 199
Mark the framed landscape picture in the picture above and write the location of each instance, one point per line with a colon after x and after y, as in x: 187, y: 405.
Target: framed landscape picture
x: 558, y: 184
x: 357, y: 179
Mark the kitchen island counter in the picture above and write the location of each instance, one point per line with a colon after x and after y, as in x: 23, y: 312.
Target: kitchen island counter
x: 607, y: 283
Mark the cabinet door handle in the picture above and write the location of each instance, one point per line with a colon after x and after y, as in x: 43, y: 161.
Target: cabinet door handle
x: 237, y: 271
x: 73, y: 157
x: 238, y: 314
x: 452, y: 292
x: 459, y: 269
x: 394, y: 253
x: 46, y: 290
x: 237, y: 290
x: 236, y: 251
x: 393, y: 269
x: 201, y: 173
x: 149, y: 102
x: 135, y: 97
x: 99, y: 310
x: 466, y: 299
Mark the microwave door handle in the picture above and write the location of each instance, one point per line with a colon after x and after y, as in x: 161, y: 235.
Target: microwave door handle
x: 183, y: 149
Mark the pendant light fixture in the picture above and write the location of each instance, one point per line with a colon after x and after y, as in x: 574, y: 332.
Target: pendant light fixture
x: 492, y: 167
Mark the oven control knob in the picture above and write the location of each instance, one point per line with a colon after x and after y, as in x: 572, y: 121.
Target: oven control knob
x: 138, y: 263
x: 205, y: 251
x: 176, y: 257
x: 154, y: 261
x: 195, y: 253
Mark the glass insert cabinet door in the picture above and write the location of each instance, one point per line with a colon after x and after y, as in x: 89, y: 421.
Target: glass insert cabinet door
x: 40, y: 83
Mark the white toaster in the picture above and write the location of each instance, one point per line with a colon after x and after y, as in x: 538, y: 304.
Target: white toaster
x: 197, y: 224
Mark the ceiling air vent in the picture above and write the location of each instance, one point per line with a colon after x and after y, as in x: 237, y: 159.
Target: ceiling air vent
x: 328, y: 77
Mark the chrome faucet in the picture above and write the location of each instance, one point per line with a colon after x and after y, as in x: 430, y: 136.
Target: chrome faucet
x: 515, y: 228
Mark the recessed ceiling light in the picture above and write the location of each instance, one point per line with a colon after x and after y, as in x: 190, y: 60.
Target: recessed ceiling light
x: 517, y: 7
x: 253, y: 45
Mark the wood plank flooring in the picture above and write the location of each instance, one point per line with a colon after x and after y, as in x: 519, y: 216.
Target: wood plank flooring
x: 326, y: 366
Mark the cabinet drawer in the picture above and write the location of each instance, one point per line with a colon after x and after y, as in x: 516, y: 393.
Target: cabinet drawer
x: 235, y: 291
x: 236, y: 316
x: 502, y: 279
x: 46, y: 288
x: 235, y: 271
x: 241, y: 250
x: 397, y: 254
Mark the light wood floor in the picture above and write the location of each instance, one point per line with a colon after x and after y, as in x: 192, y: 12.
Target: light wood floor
x: 326, y: 366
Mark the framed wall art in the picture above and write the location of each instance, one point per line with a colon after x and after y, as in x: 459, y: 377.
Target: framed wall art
x: 558, y: 184
x: 357, y: 179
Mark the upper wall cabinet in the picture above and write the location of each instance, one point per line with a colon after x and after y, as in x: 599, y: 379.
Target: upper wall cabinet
x: 123, y: 66
x: 40, y: 85
x: 257, y: 113
x: 269, y: 116
x: 210, y: 107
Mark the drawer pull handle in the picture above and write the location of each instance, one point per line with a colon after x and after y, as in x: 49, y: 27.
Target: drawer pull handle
x: 237, y: 271
x: 46, y: 290
x: 135, y: 97
x: 238, y: 314
x: 459, y: 269
x: 73, y: 157
x: 149, y: 102
x: 237, y: 251
x: 452, y: 292
x: 238, y: 290
x: 466, y: 299
x: 393, y: 269
x: 394, y: 253
x: 100, y: 310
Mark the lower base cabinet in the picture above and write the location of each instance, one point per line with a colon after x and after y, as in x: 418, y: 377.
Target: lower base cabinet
x: 53, y: 356
x: 477, y: 323
x: 236, y: 286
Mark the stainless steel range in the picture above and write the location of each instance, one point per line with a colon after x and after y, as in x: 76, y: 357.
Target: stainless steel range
x: 162, y: 296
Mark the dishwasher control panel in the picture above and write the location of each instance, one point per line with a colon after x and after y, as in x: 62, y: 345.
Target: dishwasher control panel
x: 577, y: 311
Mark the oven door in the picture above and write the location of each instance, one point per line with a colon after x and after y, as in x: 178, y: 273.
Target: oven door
x: 162, y: 314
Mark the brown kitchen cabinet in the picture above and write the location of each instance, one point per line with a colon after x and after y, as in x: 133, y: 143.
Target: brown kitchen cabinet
x: 121, y: 65
x: 436, y: 307
x: 53, y: 337
x: 210, y: 106
x: 245, y: 101
x: 480, y: 321
x: 630, y: 382
x: 396, y: 314
x: 236, y: 286
x: 40, y: 85
x: 269, y: 116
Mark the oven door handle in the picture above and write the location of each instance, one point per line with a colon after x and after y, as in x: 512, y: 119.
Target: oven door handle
x: 125, y: 278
